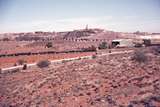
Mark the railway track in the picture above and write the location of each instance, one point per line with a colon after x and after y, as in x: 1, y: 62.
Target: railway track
x: 3, y: 70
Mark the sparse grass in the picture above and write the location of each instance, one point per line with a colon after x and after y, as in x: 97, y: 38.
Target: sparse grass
x: 139, y: 56
x: 43, y: 63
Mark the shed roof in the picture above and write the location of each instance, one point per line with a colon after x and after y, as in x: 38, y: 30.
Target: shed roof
x: 119, y: 40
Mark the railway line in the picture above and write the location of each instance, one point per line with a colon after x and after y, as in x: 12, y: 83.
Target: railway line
x: 3, y: 70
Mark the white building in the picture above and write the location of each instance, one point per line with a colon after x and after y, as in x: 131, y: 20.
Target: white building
x: 122, y: 43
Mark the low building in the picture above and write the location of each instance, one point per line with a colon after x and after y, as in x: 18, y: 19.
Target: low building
x: 151, y: 40
x: 122, y: 43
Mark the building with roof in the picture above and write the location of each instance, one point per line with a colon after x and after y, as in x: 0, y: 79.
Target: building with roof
x: 122, y: 43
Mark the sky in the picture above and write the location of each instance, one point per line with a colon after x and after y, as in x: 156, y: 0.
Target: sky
x: 63, y: 15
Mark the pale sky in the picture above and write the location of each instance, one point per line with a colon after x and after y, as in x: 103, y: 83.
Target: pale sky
x: 63, y: 15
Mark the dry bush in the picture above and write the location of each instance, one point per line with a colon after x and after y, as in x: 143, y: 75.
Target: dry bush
x: 12, y: 71
x: 94, y: 56
x: 21, y: 61
x: 24, y: 67
x: 15, y: 64
x: 15, y: 70
x: 139, y: 56
x: 5, y: 39
x: 43, y: 63
x: 138, y: 45
x: 5, y: 104
x: 0, y: 70
x: 103, y: 45
x: 64, y: 61
x: 156, y: 50
x: 92, y: 48
x: 89, y: 49
x: 28, y: 38
x: 79, y: 58
x: 49, y: 45
x: 147, y: 42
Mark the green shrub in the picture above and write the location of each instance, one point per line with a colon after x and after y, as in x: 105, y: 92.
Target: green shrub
x: 43, y: 63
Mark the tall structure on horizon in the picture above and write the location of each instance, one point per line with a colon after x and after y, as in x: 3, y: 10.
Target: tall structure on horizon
x: 87, y: 27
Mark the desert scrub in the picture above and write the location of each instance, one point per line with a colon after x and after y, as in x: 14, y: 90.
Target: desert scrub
x: 24, y: 67
x: 49, y: 45
x: 43, y: 63
x: 103, y: 45
x: 89, y: 49
x: 12, y: 71
x: 139, y: 56
x: 156, y: 50
x: 94, y: 56
x: 21, y: 61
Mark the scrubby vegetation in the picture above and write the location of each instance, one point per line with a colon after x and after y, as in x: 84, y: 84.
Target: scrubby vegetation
x: 94, y: 56
x: 103, y: 45
x: 0, y: 70
x: 106, y: 81
x: 43, y: 63
x: 12, y: 71
x: 138, y: 45
x: 147, y: 42
x: 139, y: 56
x: 21, y: 61
x: 5, y: 39
x: 91, y: 48
x: 24, y: 67
x: 28, y: 38
x: 156, y: 50
x: 49, y: 45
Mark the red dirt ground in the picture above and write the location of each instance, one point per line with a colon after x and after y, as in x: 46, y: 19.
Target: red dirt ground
x: 108, y: 81
x: 10, y: 61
